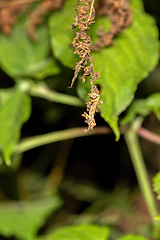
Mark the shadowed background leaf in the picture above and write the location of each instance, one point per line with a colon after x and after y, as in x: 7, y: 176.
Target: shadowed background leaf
x: 14, y: 111
x: 23, y: 219
x: 89, y: 232
x: 143, y: 107
x: 132, y: 237
x: 21, y: 56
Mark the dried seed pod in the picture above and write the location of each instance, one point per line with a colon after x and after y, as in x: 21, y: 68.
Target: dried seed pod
x: 92, y: 108
x: 82, y: 43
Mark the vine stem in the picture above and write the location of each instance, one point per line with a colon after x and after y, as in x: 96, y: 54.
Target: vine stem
x: 32, y: 142
x: 41, y: 90
x: 148, y: 135
x: 133, y: 144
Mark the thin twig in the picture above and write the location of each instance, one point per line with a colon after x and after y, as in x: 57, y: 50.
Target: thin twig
x: 57, y: 172
x: 148, y: 135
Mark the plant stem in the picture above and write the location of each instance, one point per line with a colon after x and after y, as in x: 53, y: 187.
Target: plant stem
x: 148, y: 135
x: 57, y: 172
x: 140, y: 168
x: 41, y: 90
x: 41, y: 140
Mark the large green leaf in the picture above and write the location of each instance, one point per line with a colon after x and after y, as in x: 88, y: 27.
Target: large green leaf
x: 20, y: 56
x: 122, y: 66
x: 15, y: 109
x: 23, y: 219
x: 81, y: 232
x: 132, y: 237
x: 143, y: 107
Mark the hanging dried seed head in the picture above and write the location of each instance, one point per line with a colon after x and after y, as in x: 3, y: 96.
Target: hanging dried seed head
x: 92, y: 108
x: 82, y: 43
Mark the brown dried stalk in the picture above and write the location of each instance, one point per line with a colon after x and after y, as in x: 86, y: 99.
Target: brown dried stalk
x: 10, y: 10
x: 82, y: 43
x: 92, y: 108
x: 120, y: 15
x: 37, y: 16
x: 8, y: 14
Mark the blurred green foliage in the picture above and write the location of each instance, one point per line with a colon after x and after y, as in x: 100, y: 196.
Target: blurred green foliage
x: 38, y: 194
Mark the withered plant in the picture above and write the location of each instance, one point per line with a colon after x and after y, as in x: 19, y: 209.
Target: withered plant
x: 120, y: 15
x: 37, y: 16
x: 10, y: 10
x: 82, y: 43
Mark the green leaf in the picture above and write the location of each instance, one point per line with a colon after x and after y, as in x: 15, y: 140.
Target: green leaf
x: 121, y: 66
x: 143, y: 107
x: 132, y: 237
x: 23, y: 219
x: 157, y: 218
x: 81, y: 232
x: 48, y: 68
x: 156, y: 184
x: 20, y: 56
x: 15, y: 109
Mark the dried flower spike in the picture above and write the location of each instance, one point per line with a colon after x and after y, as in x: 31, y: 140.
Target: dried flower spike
x: 92, y: 108
x: 82, y: 43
